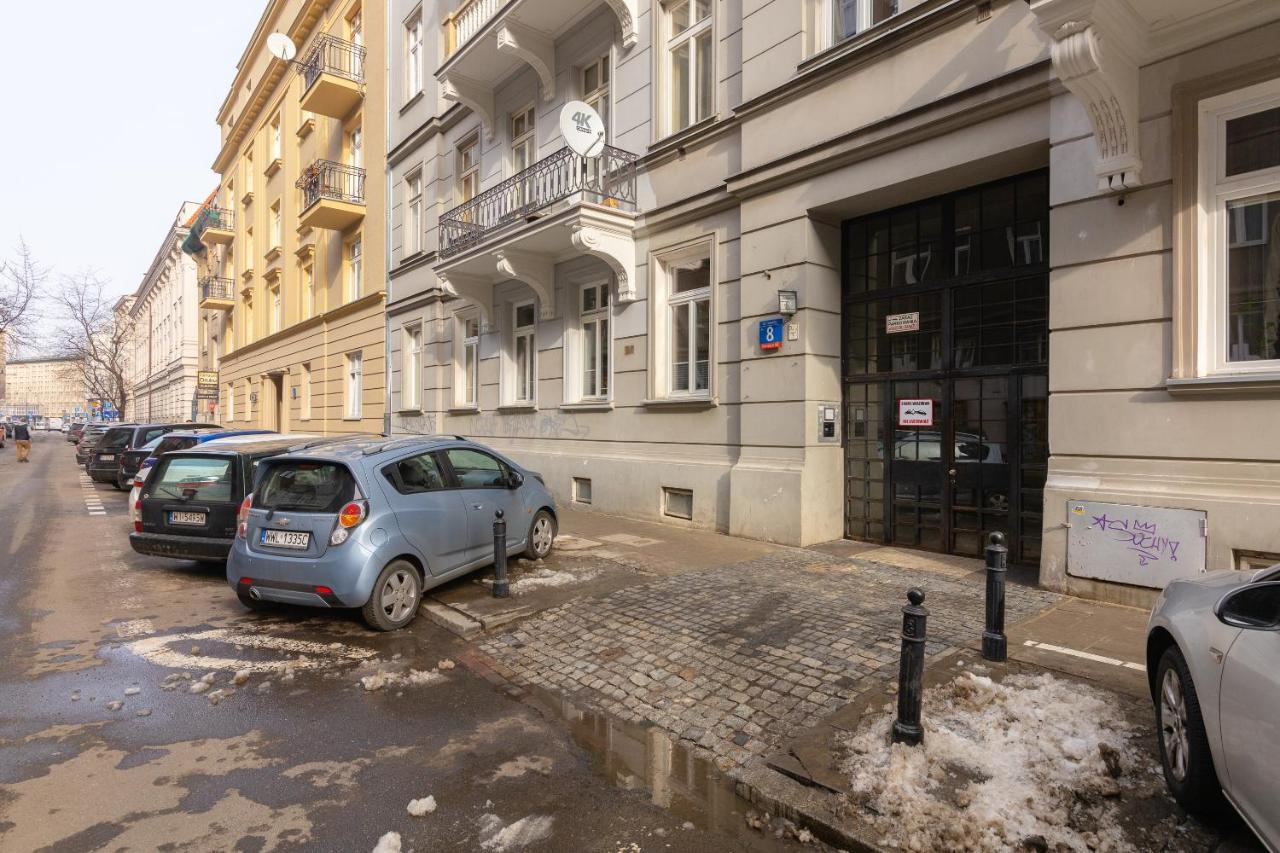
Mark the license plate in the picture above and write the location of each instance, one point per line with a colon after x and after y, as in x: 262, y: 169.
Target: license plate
x: 186, y: 518
x: 286, y: 539
x: 107, y: 457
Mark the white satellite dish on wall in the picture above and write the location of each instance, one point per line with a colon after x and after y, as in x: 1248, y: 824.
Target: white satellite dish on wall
x: 582, y: 128
x: 282, y: 47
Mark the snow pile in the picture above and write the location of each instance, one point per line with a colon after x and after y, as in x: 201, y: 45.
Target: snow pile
x: 421, y: 807
x: 413, y: 677
x: 1030, y: 761
x: 389, y: 843
x: 500, y: 838
x: 544, y: 577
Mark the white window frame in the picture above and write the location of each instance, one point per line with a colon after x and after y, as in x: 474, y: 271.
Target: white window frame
x: 665, y: 303
x: 529, y: 334
x: 413, y: 55
x: 308, y: 291
x: 413, y: 212
x: 277, y: 148
x: 462, y: 343
x: 277, y: 226
x: 671, y: 42
x: 526, y: 141
x: 353, y: 386
x: 231, y: 402
x: 576, y: 352
x: 411, y: 374
x: 304, y: 406
x: 821, y: 24
x: 1215, y: 192
x: 277, y: 308
x: 468, y: 173
x: 355, y: 267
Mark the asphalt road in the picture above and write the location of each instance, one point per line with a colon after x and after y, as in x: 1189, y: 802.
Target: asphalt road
x: 303, y: 756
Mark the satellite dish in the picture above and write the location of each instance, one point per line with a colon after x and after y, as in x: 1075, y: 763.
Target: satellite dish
x: 282, y: 47
x: 582, y: 128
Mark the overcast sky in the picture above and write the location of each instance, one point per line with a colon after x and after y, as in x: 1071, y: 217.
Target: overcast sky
x: 110, y: 125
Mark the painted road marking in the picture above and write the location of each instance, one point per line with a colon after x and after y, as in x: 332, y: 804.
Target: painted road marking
x: 310, y: 655
x: 1076, y: 653
x: 89, y: 494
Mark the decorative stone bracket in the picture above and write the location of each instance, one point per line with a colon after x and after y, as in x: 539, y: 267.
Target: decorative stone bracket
x: 614, y: 245
x: 628, y: 15
x: 472, y: 94
x: 475, y: 289
x: 535, y: 270
x: 532, y: 47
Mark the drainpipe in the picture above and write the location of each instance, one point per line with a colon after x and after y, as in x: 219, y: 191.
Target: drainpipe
x: 386, y: 227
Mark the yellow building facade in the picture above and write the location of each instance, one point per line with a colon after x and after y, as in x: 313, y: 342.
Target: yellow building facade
x: 48, y: 387
x: 292, y: 271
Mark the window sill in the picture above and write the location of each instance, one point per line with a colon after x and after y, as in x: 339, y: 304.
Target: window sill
x: 677, y: 138
x: 247, y: 198
x: 464, y: 410
x: 305, y: 128
x: 1238, y: 383
x: 588, y: 406
x: 273, y: 167
x: 353, y: 420
x: 409, y: 104
x: 518, y: 407
x: 408, y: 411
x: 681, y: 403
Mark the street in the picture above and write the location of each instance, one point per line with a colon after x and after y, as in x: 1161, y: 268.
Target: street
x: 305, y: 757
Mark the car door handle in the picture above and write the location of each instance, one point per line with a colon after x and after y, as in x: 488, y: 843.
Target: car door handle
x: 477, y: 506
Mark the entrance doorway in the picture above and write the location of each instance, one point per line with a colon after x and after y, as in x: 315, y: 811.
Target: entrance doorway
x: 946, y: 352
x: 277, y: 421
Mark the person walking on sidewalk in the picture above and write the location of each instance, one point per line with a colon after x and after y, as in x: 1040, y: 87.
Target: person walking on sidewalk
x: 22, y: 438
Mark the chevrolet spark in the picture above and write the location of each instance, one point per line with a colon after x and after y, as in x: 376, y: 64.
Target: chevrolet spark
x: 372, y: 523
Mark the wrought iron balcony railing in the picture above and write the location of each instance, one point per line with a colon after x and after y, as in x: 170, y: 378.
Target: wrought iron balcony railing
x: 331, y: 180
x: 609, y: 179
x: 213, y: 287
x: 332, y: 55
x: 213, y: 217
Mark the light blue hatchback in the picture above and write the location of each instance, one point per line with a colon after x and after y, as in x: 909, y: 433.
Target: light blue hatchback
x: 373, y: 522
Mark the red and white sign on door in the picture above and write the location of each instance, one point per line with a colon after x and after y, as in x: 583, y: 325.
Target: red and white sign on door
x: 915, y: 413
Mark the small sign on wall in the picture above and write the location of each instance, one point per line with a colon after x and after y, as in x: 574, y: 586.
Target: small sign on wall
x: 915, y: 413
x: 771, y: 334
x: 895, y: 323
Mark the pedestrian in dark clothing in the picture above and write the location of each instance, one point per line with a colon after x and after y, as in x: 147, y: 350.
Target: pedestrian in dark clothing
x: 22, y: 438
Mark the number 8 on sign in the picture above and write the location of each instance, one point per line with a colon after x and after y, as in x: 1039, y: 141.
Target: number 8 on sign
x: 771, y: 334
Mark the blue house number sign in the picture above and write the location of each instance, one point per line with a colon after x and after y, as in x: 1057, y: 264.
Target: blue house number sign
x: 771, y: 334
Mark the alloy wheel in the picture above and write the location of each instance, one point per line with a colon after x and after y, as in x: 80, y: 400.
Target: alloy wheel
x: 542, y: 536
x: 1173, y: 724
x: 399, y: 595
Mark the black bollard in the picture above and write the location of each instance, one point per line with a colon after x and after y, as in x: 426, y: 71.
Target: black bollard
x: 907, y: 728
x: 500, y: 587
x: 995, y: 645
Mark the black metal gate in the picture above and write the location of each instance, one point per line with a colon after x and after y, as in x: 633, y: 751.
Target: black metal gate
x: 946, y: 351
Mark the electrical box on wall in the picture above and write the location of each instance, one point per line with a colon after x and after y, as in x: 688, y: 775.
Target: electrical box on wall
x: 829, y: 423
x: 1139, y: 545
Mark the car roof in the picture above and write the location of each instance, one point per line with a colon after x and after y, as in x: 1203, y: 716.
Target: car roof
x: 356, y: 448
x: 214, y: 433
x: 251, y: 444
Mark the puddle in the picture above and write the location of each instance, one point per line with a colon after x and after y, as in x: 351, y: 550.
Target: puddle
x: 646, y: 758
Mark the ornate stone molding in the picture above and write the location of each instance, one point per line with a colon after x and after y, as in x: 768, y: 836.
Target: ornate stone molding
x: 472, y: 94
x: 615, y: 246
x: 535, y: 270
x: 628, y: 13
x: 533, y: 48
x: 474, y: 289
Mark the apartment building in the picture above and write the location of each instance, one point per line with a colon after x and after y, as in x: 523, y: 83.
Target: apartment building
x: 908, y: 272
x: 292, y: 281
x: 47, y: 387
x: 164, y: 316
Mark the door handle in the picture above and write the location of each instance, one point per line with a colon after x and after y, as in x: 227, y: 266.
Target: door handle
x: 951, y: 472
x: 477, y: 506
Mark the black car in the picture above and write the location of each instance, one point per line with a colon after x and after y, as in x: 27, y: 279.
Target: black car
x: 88, y: 440
x: 189, y: 504
x: 131, y: 460
x: 108, y: 454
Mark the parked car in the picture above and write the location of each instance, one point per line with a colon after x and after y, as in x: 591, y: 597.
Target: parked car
x: 187, y: 507
x: 92, y: 435
x: 138, y: 463
x: 107, y: 457
x: 8, y: 429
x: 74, y: 431
x: 374, y: 522
x: 1213, y: 661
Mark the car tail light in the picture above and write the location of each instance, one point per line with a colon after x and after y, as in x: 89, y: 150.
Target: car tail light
x: 348, y: 517
x: 137, y: 516
x: 242, y: 517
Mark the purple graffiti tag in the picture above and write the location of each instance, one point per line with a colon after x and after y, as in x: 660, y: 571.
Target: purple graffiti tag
x: 1143, y: 537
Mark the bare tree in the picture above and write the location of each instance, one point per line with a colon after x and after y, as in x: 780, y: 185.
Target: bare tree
x: 21, y: 280
x: 94, y: 337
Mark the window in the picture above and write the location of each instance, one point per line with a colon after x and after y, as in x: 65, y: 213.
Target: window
x: 248, y: 172
x: 522, y: 140
x: 248, y: 320
x: 248, y: 245
x: 276, y: 228
x: 594, y: 314
x: 468, y: 170
x: 308, y: 291
x: 677, y: 503
x: 688, y: 324
x: 832, y: 21
x: 355, y: 148
x: 595, y: 87
x: 277, y: 310
x: 467, y: 387
x: 1239, y: 231
x: 355, y: 385
x: 275, y: 139
x: 690, y: 63
x: 476, y: 470
x: 582, y: 490
x: 355, y: 267
x: 413, y: 56
x: 415, y: 475
x: 525, y: 360
x: 413, y: 214
x: 231, y: 401
x: 305, y: 393
x: 412, y: 377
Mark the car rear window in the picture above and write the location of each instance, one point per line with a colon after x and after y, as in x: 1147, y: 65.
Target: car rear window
x: 168, y: 444
x: 305, y: 487
x: 199, y: 478
x: 115, y: 438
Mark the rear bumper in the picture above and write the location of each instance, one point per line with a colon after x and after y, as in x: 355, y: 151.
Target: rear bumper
x: 348, y: 570
x: 103, y: 473
x: 181, y: 547
x: 288, y: 593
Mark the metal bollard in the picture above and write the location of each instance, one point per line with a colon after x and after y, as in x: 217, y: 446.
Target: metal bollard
x: 995, y: 645
x: 501, y: 589
x: 907, y: 728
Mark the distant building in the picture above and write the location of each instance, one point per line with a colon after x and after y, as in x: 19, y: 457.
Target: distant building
x: 48, y: 387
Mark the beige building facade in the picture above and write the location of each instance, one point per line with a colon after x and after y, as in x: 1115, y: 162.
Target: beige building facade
x: 905, y: 272
x: 47, y: 387
x: 293, y: 277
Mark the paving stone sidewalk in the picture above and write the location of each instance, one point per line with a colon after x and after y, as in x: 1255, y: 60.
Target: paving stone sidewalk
x: 739, y: 657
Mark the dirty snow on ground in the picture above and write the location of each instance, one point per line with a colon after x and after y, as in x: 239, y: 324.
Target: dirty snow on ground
x: 389, y: 843
x: 413, y: 677
x: 1033, y: 761
x: 421, y: 807
x: 542, y: 578
x: 502, y: 838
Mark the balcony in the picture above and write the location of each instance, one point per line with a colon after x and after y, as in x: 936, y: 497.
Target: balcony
x: 217, y: 292
x: 333, y: 77
x: 487, y: 40
x: 215, y: 226
x: 561, y: 207
x: 332, y: 195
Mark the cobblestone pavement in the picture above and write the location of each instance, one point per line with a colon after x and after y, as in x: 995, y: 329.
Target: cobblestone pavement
x: 739, y: 657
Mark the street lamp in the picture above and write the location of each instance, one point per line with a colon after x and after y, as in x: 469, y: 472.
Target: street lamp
x: 787, y: 302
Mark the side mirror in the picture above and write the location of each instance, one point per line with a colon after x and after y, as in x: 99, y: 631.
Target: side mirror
x: 1255, y: 606
x: 515, y: 480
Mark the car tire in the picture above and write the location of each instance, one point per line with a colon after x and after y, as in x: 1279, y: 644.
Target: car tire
x: 395, y: 598
x: 1180, y: 733
x: 251, y: 603
x: 542, y: 536
x: 119, y: 487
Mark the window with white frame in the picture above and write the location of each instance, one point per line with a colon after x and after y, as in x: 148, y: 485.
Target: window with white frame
x: 524, y: 353
x: 355, y: 268
x: 412, y: 378
x: 689, y: 63
x: 304, y: 405
x: 522, y: 140
x: 467, y: 376
x: 276, y: 148
x: 595, y: 87
x: 413, y: 56
x: 832, y: 21
x: 277, y: 229
x: 413, y: 213
x: 308, y: 291
x: 468, y: 169
x: 355, y: 385
x: 1239, y: 231
x: 231, y: 401
x: 594, y: 351
x: 685, y: 321
x: 277, y: 309
x: 249, y: 328
x: 355, y: 147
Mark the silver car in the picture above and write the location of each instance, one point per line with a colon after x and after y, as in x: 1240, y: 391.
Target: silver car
x: 1213, y: 660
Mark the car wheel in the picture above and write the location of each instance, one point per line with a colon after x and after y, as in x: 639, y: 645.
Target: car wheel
x: 395, y: 598
x: 120, y: 487
x: 542, y: 536
x: 251, y: 603
x: 1184, y: 746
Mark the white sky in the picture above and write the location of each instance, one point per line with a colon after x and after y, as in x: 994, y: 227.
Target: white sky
x: 111, y: 124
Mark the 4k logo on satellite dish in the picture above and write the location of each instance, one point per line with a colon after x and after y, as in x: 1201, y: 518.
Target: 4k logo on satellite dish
x: 582, y: 128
